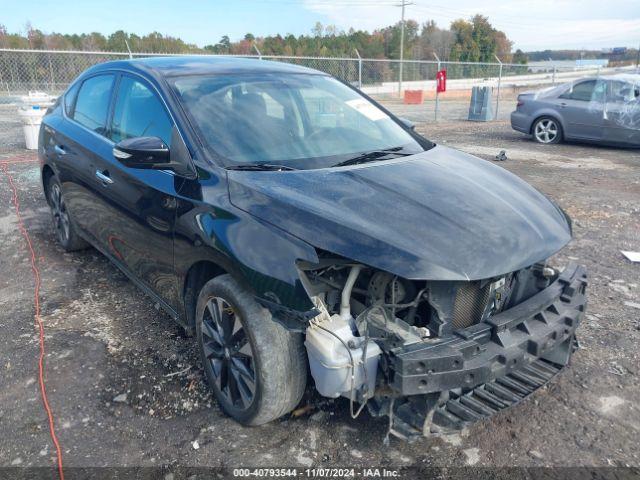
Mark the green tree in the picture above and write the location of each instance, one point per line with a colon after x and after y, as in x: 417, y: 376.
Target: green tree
x: 117, y: 41
x: 520, y: 57
x: 467, y: 40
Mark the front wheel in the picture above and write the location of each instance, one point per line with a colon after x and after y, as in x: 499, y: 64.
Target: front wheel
x: 255, y: 367
x: 547, y: 130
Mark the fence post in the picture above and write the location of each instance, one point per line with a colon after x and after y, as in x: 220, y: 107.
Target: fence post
x: 50, y: 72
x: 499, y: 83
x: 359, y: 69
x: 437, y: 93
x: 128, y: 49
x: 553, y: 76
x: 256, y: 48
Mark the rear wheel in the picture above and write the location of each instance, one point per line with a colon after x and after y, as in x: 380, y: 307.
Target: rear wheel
x: 547, y: 130
x: 62, y: 222
x: 255, y: 367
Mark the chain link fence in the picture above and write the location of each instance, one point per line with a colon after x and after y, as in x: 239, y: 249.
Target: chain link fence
x: 24, y: 71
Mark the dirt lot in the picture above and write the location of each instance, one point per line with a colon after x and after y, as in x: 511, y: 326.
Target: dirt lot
x: 126, y: 390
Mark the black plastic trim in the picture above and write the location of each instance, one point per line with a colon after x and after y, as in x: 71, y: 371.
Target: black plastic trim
x: 504, y: 343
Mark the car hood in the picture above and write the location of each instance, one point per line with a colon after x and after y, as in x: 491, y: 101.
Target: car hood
x: 438, y: 215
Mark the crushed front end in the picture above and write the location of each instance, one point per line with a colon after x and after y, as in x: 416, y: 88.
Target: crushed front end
x: 437, y: 355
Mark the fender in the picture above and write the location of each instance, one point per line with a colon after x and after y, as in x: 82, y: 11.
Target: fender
x: 226, y: 236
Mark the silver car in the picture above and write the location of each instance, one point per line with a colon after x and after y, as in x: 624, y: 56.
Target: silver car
x: 604, y: 109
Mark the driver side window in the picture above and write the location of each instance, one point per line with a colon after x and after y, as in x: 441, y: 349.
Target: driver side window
x: 138, y: 112
x: 623, y: 92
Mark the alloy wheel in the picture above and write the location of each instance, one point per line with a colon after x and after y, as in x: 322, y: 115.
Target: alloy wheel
x: 546, y: 131
x: 227, y: 349
x: 60, y: 214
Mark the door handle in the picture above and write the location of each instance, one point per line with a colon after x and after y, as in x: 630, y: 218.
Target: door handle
x: 563, y: 104
x: 60, y: 150
x: 104, y: 177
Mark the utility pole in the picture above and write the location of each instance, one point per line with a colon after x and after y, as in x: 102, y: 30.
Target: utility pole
x: 402, y: 5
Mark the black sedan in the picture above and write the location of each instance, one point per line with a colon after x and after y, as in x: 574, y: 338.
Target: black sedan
x: 293, y: 224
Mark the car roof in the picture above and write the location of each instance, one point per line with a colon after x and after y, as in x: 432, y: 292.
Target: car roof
x: 625, y: 77
x: 205, y: 64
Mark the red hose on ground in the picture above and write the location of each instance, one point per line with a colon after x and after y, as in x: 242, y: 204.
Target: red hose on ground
x: 36, y: 299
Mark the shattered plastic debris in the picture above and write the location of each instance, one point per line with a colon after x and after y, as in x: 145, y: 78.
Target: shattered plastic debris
x: 502, y: 156
x: 632, y: 256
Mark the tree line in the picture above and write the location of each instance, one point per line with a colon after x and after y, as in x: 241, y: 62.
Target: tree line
x: 472, y: 40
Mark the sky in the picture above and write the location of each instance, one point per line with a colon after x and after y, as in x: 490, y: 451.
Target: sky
x: 532, y: 25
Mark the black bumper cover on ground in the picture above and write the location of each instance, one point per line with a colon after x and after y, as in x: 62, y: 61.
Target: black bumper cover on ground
x: 495, y: 364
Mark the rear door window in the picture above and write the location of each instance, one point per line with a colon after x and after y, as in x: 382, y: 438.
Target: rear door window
x: 139, y: 112
x: 92, y: 104
x: 586, y: 91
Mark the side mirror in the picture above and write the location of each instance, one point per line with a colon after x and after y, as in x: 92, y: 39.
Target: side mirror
x: 153, y: 153
x: 407, y: 123
x: 142, y: 152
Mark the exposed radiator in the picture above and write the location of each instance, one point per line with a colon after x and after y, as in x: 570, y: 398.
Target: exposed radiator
x: 470, y: 303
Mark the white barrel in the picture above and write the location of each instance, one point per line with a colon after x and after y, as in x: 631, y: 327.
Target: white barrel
x: 31, y: 120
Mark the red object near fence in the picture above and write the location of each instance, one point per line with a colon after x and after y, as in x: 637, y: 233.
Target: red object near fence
x: 413, y: 97
x: 441, y: 81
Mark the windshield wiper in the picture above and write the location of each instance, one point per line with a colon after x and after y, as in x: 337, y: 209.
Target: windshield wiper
x: 372, y: 155
x: 258, y: 167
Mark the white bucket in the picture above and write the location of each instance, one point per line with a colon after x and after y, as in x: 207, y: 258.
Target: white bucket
x: 31, y: 120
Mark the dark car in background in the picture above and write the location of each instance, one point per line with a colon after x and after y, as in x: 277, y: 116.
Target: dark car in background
x: 603, y: 109
x: 295, y: 225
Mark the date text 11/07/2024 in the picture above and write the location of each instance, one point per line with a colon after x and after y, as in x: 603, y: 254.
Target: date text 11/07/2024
x: 317, y: 472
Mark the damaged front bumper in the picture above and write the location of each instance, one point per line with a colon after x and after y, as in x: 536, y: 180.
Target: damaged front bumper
x: 476, y: 372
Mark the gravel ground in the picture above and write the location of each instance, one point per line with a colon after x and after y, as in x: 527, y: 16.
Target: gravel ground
x: 126, y: 389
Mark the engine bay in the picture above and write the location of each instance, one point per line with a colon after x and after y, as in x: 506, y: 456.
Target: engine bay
x: 371, y: 321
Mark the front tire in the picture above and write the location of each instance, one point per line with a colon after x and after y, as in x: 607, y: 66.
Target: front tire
x: 255, y: 367
x: 63, y: 223
x: 547, y: 130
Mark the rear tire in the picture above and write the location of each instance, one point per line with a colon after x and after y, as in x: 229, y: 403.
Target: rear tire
x: 63, y: 223
x: 256, y: 368
x: 547, y: 130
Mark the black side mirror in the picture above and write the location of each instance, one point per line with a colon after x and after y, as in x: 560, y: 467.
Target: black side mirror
x: 407, y: 123
x: 153, y: 153
x: 142, y: 152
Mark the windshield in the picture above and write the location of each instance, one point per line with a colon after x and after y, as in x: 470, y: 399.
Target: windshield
x: 297, y: 120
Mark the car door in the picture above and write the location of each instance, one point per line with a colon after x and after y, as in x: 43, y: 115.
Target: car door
x: 80, y: 141
x: 622, y: 113
x: 137, y: 207
x: 582, y: 110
